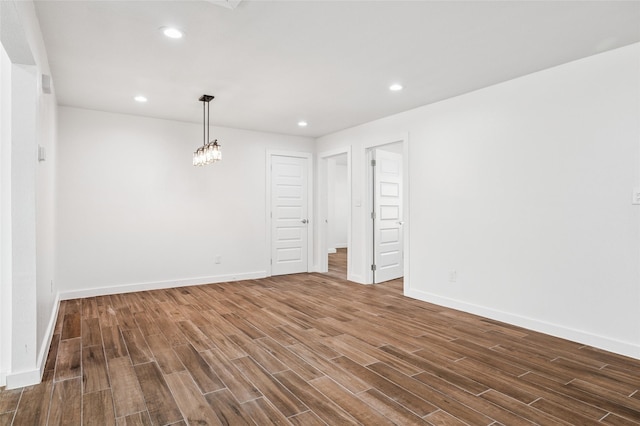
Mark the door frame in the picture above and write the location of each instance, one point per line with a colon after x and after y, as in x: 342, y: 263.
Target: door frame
x: 368, y: 220
x: 323, y: 195
x: 268, y: 243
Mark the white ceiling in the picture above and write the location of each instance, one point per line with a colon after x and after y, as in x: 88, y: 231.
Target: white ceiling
x: 273, y: 63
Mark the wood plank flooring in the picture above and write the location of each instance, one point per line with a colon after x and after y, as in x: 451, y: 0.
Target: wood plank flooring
x: 337, y: 264
x: 311, y: 349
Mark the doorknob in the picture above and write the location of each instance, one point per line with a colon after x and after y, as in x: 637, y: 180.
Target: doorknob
x: 401, y: 222
x: 305, y: 221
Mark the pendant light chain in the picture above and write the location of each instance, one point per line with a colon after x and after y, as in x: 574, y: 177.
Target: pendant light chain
x: 204, y: 129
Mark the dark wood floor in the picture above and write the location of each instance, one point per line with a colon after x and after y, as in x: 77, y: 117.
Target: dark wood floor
x: 312, y: 350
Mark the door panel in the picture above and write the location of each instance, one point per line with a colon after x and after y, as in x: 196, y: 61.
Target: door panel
x: 289, y: 212
x: 388, y: 244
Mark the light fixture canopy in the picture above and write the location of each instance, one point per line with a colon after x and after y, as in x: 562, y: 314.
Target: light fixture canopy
x: 396, y: 87
x: 209, y: 152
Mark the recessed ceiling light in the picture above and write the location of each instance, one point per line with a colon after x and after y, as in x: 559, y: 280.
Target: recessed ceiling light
x: 302, y: 123
x: 171, y: 32
x: 140, y: 99
x: 395, y: 87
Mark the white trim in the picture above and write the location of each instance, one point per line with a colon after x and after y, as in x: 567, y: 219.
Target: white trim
x: 323, y: 249
x: 48, y: 335
x: 406, y: 232
x: 158, y: 285
x: 6, y: 261
x: 267, y: 213
x: 356, y: 278
x: 330, y: 251
x: 310, y: 180
x: 602, y: 342
x: 368, y: 220
x: 33, y: 377
x: 23, y: 378
x: 385, y: 140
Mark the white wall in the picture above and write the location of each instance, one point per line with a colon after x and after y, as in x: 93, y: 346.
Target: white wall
x: 28, y: 115
x: 524, y: 188
x: 338, y: 203
x: 134, y: 213
x: 23, y: 218
x: 5, y: 215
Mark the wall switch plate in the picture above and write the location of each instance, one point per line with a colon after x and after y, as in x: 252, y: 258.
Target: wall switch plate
x: 218, y: 259
x: 453, y: 276
x: 636, y: 197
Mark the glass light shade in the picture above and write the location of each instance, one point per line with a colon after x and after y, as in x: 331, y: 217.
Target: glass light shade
x: 200, y: 158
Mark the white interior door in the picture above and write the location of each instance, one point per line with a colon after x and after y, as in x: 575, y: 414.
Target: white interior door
x: 289, y: 215
x: 387, y: 219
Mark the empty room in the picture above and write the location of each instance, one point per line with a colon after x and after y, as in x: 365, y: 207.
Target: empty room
x: 314, y: 212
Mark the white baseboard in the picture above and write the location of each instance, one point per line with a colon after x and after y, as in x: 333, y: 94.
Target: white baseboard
x: 48, y: 335
x: 356, y: 279
x: 597, y: 341
x: 33, y: 377
x: 157, y: 285
x: 23, y: 378
x: 319, y: 270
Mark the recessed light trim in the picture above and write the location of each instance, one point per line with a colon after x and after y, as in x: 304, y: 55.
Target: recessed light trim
x: 140, y: 98
x: 302, y: 123
x: 396, y: 87
x: 172, y: 32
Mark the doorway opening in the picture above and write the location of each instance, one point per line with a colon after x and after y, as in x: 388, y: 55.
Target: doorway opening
x: 335, y: 201
x: 337, y: 216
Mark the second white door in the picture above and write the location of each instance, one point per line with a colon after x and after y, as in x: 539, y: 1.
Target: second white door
x: 388, y: 218
x: 289, y: 214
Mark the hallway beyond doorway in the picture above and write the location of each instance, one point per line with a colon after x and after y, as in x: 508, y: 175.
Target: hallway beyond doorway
x: 338, y: 264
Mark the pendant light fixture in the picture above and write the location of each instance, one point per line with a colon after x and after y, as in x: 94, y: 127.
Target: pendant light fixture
x: 209, y: 152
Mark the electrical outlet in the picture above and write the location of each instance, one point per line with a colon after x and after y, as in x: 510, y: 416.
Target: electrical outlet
x: 636, y: 197
x: 218, y: 259
x: 453, y: 275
